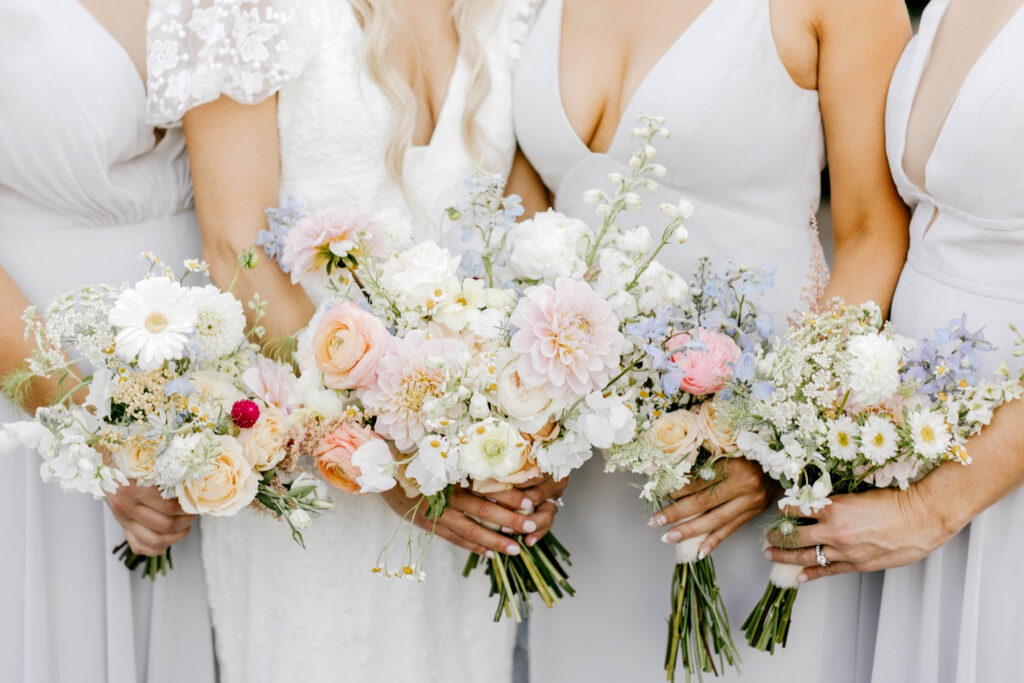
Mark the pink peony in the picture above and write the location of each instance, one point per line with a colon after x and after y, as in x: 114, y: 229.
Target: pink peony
x: 568, y: 339
x: 413, y: 371
x: 707, y: 371
x: 315, y: 240
x: 272, y: 382
x: 334, y: 456
x: 348, y: 345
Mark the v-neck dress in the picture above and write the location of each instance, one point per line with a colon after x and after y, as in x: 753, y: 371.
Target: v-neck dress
x: 958, y: 615
x: 85, y: 188
x: 747, y: 148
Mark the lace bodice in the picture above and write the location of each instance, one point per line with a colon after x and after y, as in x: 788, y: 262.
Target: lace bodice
x: 334, y: 120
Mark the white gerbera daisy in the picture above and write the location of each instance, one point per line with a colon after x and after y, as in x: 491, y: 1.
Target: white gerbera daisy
x: 878, y: 439
x: 220, y: 325
x: 842, y: 435
x: 154, y: 320
x: 930, y: 434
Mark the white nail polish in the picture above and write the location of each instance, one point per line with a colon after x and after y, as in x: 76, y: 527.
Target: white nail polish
x: 529, y: 526
x: 512, y: 550
x: 489, y: 554
x: 526, y: 505
x: 702, y: 554
x: 507, y: 530
x: 666, y: 539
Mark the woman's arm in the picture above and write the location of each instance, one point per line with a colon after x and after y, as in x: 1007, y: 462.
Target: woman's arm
x: 884, y: 528
x: 236, y: 168
x: 524, y: 181
x: 15, y: 349
x: 859, y: 45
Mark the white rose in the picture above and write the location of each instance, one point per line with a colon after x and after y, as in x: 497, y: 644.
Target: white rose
x: 321, y: 491
x: 528, y: 408
x: 494, y: 449
x: 549, y: 246
x: 420, y: 277
x: 607, y: 421
x: 263, y: 443
x: 137, y: 459
x: 227, y: 489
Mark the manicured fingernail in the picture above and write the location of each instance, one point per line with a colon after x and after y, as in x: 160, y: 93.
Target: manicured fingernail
x: 768, y: 554
x: 512, y: 549
x: 802, y: 578
x: 658, y: 520
x: 671, y: 537
x: 529, y: 526
x: 702, y: 554
x: 526, y: 505
x: 530, y: 542
x: 507, y: 530
x: 489, y: 554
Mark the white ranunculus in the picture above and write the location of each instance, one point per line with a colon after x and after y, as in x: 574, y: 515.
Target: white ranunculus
x: 420, y: 277
x: 606, y: 421
x: 549, y: 246
x: 528, y: 408
x: 376, y: 466
x: 873, y: 371
x: 493, y: 450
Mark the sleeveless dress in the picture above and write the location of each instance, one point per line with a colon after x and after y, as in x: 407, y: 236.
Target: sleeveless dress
x: 280, y: 611
x: 958, y: 614
x: 84, y: 189
x: 747, y: 148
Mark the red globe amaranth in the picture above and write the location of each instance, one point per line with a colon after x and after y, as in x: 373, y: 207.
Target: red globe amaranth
x: 245, y: 413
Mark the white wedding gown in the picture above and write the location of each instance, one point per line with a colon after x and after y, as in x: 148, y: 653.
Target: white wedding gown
x: 84, y: 189
x: 747, y: 148
x: 958, y: 615
x: 281, y: 612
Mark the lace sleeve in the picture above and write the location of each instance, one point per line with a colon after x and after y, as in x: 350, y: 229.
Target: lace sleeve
x: 522, y: 12
x: 199, y: 50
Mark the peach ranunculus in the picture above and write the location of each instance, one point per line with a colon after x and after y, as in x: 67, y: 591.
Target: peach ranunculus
x: 704, y: 371
x: 679, y: 433
x: 717, y: 438
x: 334, y: 456
x: 348, y: 345
x: 227, y: 489
x: 264, y: 443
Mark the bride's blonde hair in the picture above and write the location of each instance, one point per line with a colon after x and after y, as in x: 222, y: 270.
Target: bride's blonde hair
x: 378, y: 20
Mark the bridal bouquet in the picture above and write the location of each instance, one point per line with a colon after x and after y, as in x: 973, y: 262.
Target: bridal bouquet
x: 844, y: 403
x: 177, y: 398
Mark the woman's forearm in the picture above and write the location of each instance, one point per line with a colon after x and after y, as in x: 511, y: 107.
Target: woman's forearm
x: 867, y: 266
x: 15, y: 349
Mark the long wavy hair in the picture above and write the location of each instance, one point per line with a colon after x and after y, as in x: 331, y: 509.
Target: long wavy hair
x: 378, y: 20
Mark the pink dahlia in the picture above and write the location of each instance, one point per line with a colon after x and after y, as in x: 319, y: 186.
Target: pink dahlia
x: 704, y: 371
x: 316, y: 240
x: 412, y: 373
x: 568, y: 339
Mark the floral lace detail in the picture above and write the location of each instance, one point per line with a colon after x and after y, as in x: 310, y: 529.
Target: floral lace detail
x: 199, y: 50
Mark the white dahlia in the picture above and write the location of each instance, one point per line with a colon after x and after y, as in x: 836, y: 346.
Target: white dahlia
x: 873, y: 373
x: 220, y: 321
x: 154, y: 320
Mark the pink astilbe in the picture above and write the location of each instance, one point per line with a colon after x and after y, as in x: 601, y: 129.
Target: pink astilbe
x: 568, y: 339
x: 316, y: 240
x: 813, y: 291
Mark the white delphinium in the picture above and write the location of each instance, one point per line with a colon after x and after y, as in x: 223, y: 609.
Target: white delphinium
x: 636, y: 241
x: 154, y: 321
x: 220, y: 321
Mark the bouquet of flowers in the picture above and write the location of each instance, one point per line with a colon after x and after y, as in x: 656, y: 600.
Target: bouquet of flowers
x: 177, y: 398
x: 844, y: 403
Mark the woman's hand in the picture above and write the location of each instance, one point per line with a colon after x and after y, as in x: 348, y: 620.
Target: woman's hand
x: 864, y: 532
x: 739, y: 493
x: 540, y: 498
x: 459, y: 523
x: 151, y: 523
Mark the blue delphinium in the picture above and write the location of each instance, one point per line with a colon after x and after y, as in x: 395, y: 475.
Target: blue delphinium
x: 280, y: 221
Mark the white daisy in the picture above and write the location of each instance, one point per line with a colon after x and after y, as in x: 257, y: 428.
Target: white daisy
x: 842, y: 438
x: 930, y: 434
x: 154, y: 320
x: 878, y: 439
x: 220, y: 321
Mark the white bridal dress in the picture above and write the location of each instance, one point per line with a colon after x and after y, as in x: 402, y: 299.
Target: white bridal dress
x: 747, y: 148
x: 958, y: 615
x: 85, y: 187
x: 280, y: 612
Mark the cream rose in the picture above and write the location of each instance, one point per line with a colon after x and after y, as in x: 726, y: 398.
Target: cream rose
x: 213, y: 386
x: 528, y: 408
x: 717, y: 438
x: 263, y: 444
x: 137, y: 458
x: 227, y: 489
x: 678, y: 433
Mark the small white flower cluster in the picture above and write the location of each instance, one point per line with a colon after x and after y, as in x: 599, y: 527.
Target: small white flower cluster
x: 844, y: 402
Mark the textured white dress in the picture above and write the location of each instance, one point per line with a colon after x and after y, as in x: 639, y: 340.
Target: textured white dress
x: 747, y: 148
x: 84, y: 189
x: 280, y: 612
x: 958, y: 615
